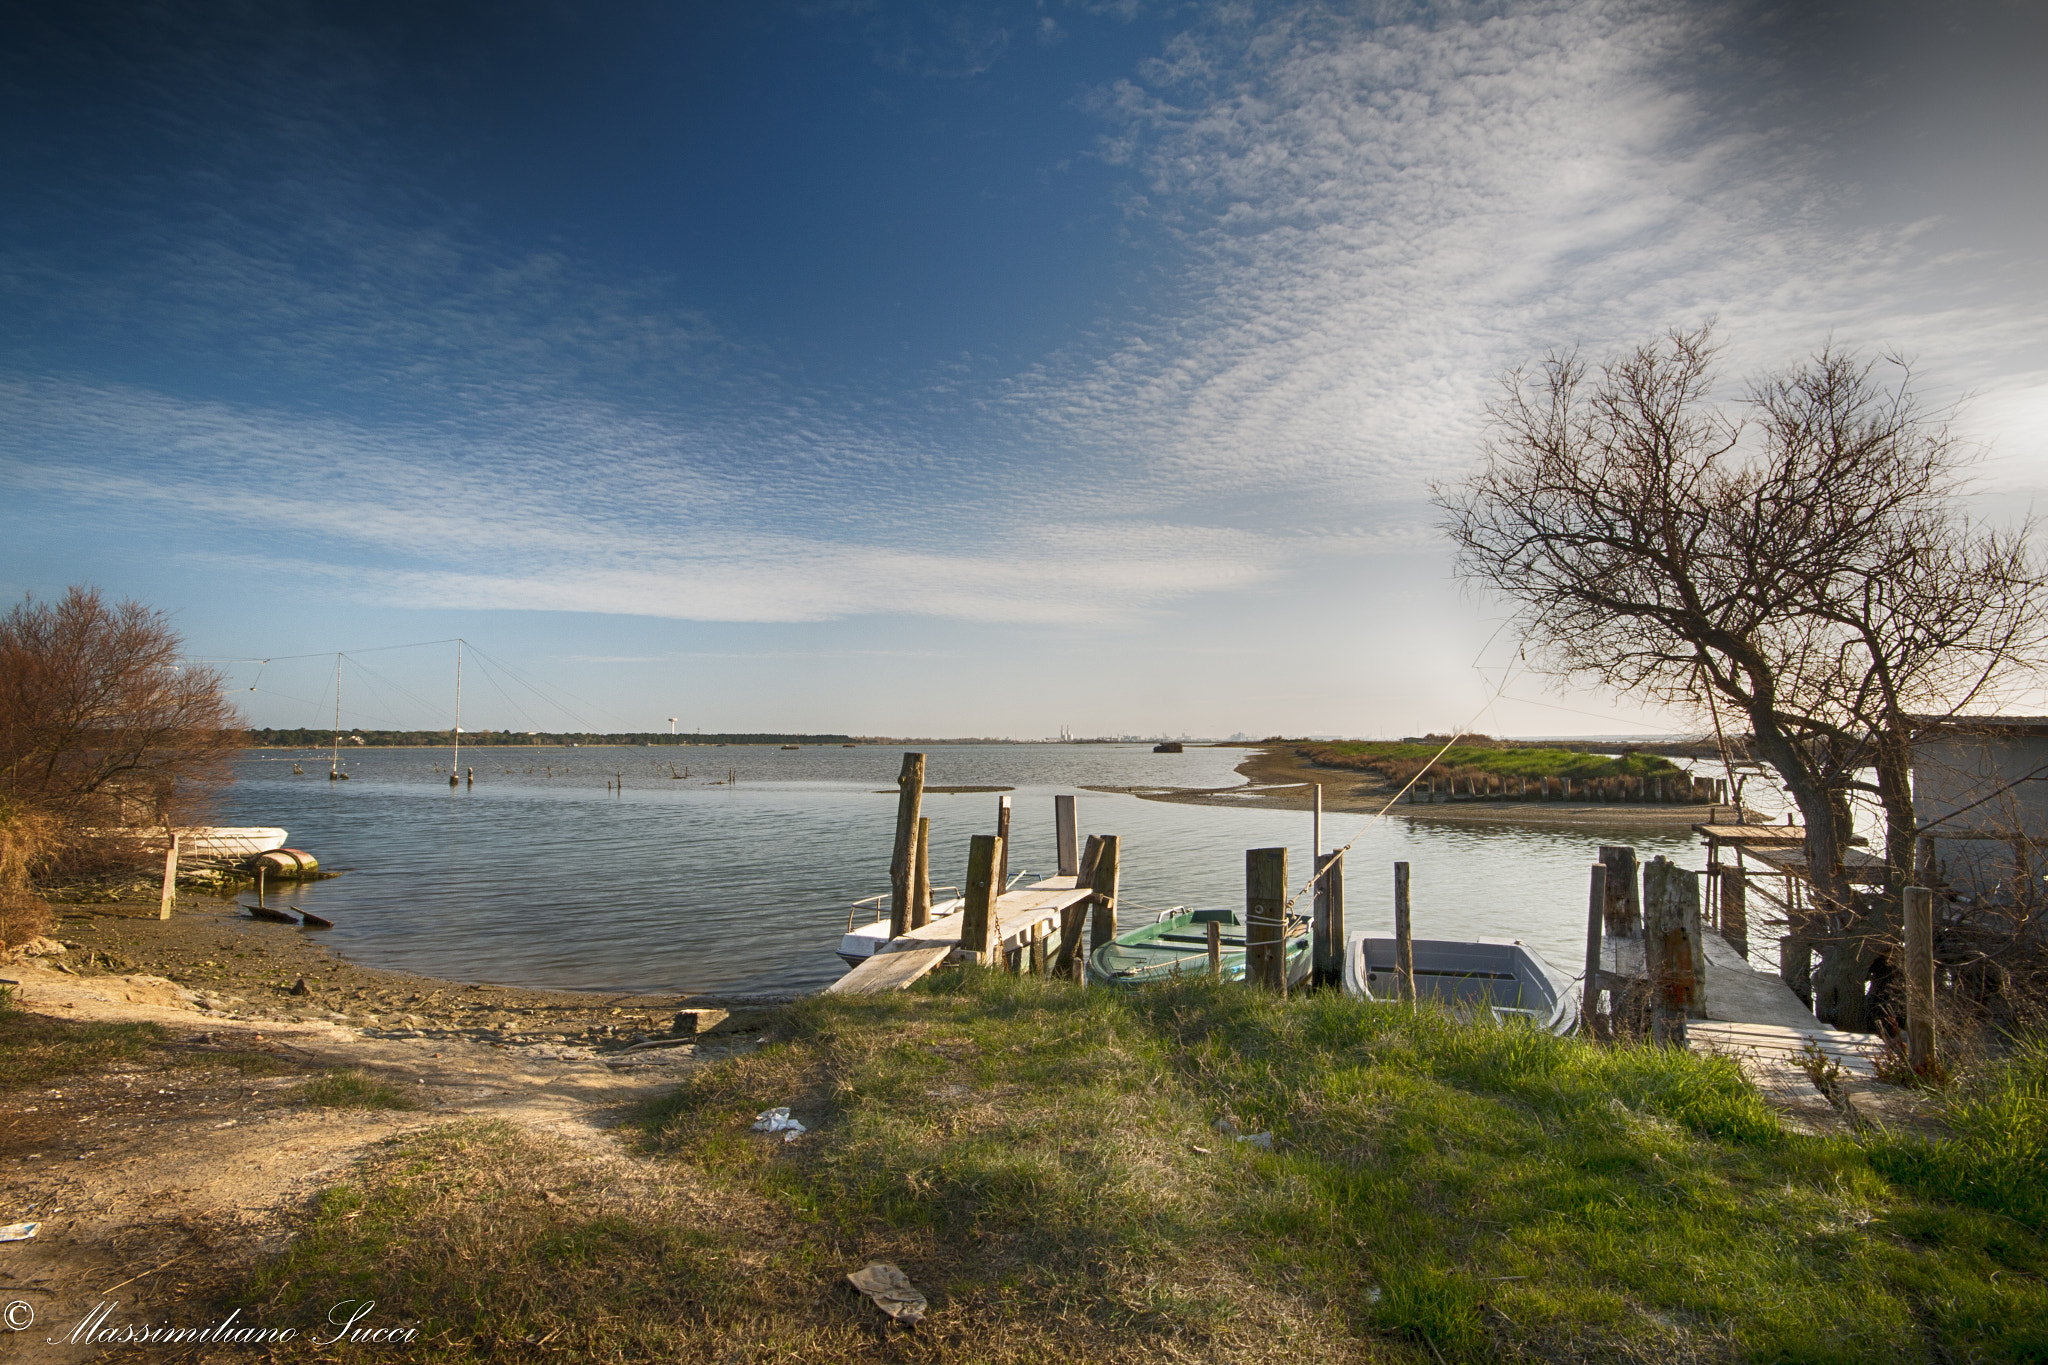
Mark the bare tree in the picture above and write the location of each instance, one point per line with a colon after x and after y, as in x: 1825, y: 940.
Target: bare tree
x: 1801, y: 559
x: 101, y: 726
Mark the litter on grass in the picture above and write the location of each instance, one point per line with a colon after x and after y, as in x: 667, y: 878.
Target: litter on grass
x: 891, y: 1290
x: 777, y: 1120
x: 18, y: 1232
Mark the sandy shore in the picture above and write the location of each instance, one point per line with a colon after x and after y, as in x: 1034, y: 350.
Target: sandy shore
x: 1349, y: 791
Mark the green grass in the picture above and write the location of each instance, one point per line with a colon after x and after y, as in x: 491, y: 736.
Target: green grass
x: 35, y: 1048
x: 1028, y: 1153
x: 349, y: 1089
x: 1531, y: 763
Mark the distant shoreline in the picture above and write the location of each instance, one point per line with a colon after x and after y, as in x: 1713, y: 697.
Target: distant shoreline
x: 1350, y: 791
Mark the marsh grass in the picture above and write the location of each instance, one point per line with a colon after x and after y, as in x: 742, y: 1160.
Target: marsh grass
x: 1032, y: 1155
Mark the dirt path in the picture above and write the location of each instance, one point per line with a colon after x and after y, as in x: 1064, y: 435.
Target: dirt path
x: 162, y: 1177
x: 1347, y: 790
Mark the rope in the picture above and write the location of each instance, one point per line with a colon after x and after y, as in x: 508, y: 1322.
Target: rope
x: 1463, y: 730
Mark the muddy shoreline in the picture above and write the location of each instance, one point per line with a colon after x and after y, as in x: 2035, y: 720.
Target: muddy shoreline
x: 228, y: 966
x: 1350, y: 791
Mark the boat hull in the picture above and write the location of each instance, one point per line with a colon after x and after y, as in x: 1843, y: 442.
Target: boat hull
x: 1506, y: 977
x: 1177, y: 946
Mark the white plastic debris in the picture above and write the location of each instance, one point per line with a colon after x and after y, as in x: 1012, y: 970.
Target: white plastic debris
x: 1228, y: 1127
x: 777, y: 1120
x: 890, y: 1289
x: 18, y: 1232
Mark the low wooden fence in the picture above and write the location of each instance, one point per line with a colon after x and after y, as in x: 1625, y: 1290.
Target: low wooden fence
x: 1667, y: 790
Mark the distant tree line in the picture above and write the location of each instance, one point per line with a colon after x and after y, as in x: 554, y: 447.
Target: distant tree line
x: 479, y: 739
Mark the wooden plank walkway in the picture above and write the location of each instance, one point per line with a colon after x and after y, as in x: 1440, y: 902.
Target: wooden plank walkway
x: 891, y: 971
x: 1753, y: 1018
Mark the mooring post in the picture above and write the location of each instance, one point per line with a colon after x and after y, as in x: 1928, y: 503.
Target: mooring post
x: 1329, y: 947
x: 1064, y: 836
x: 1104, y: 883
x: 921, y: 876
x: 1072, y: 961
x: 1735, y: 908
x: 1624, y: 906
x: 1919, y: 977
x: 1003, y: 833
x: 1596, y: 915
x: 1215, y: 951
x: 902, y: 861
x: 1671, y: 917
x: 1404, y: 938
x: 163, y: 910
x: 1265, y: 901
x: 978, y: 914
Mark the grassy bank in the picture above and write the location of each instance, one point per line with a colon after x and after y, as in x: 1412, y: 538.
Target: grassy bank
x: 1044, y: 1162
x: 1399, y: 762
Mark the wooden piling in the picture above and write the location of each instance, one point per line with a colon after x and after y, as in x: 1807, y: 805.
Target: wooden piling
x: 1038, y: 948
x: 902, y: 861
x: 1003, y: 833
x: 1735, y: 908
x: 1404, y: 938
x: 1069, y: 852
x: 1104, y: 882
x: 978, y: 913
x: 1329, y: 931
x: 1671, y: 929
x: 921, y: 876
x: 1072, y: 961
x: 1265, y: 901
x: 1215, y: 951
x: 170, y: 898
x: 1596, y: 916
x: 1919, y: 905
x: 1624, y: 903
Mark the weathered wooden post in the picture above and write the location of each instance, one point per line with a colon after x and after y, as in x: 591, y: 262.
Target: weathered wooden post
x: 1265, y: 901
x: 978, y: 913
x: 1003, y: 833
x: 1072, y: 960
x: 1215, y: 950
x: 1104, y: 883
x: 1735, y: 908
x: 1404, y: 938
x: 1064, y: 836
x: 1919, y: 977
x: 1589, y: 992
x: 921, y: 876
x: 1038, y: 948
x: 1329, y: 931
x: 163, y: 910
x: 1671, y: 917
x: 1624, y: 909
x: 902, y: 862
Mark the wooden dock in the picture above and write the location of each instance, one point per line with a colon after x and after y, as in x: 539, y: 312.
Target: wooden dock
x: 910, y: 955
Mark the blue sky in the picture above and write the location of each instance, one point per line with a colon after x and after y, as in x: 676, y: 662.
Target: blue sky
x: 935, y: 368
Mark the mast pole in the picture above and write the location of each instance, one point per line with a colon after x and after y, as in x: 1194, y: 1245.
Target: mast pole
x: 334, y: 759
x: 455, y: 769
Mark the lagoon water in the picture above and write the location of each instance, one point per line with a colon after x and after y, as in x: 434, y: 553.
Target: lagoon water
x: 541, y: 876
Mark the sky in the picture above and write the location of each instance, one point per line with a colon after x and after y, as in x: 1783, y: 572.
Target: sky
x: 935, y: 369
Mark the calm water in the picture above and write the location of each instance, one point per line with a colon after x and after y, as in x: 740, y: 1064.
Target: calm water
x: 540, y: 876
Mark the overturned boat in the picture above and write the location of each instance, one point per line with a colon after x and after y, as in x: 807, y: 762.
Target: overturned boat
x: 1502, y: 975
x: 1178, y: 944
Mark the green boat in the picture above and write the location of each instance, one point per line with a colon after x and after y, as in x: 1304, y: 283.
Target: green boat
x: 1179, y: 943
